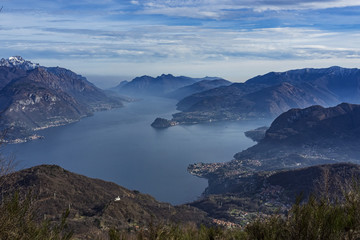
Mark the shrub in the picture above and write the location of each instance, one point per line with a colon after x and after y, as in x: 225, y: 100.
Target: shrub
x: 17, y: 222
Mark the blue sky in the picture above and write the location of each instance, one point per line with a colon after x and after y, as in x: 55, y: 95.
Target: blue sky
x: 234, y: 39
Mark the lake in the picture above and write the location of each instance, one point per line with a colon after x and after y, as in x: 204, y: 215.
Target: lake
x: 120, y: 146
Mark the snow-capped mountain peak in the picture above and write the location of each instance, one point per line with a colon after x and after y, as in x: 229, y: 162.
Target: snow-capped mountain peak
x: 19, y: 62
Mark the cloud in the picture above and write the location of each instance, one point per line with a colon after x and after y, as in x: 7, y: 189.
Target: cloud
x: 206, y: 9
x: 240, y: 4
x: 135, y: 2
x: 179, y: 34
x: 217, y: 9
x: 140, y: 42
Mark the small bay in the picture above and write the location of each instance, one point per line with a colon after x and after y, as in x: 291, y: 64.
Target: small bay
x: 119, y: 145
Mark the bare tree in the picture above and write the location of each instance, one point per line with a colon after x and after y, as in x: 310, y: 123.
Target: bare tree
x: 6, y: 167
x: 7, y: 163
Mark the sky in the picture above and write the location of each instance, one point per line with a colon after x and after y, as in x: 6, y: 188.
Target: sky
x: 233, y: 39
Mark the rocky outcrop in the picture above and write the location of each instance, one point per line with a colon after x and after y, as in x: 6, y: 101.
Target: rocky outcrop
x: 163, y: 123
x: 257, y: 134
x: 19, y: 63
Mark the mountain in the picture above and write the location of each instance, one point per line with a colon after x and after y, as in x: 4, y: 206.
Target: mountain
x: 198, y: 87
x: 7, y: 74
x: 262, y: 194
x: 95, y: 205
x: 310, y: 136
x: 121, y: 84
x: 33, y: 97
x: 257, y: 134
x: 288, y: 160
x: 297, y: 138
x: 271, y: 94
x: 307, y: 151
x: 316, y: 123
x: 19, y: 63
x: 159, y: 86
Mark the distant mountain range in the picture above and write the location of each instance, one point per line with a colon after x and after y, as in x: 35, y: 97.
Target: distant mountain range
x: 34, y: 97
x: 95, y: 205
x: 271, y: 94
x: 197, y: 87
x: 167, y: 85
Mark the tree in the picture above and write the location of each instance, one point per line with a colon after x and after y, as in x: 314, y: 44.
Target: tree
x: 17, y: 214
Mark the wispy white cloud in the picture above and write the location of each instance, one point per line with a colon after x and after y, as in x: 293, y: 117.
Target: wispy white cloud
x: 177, y: 43
x: 131, y: 33
x: 220, y: 8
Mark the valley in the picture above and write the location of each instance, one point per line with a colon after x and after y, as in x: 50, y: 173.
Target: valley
x: 180, y: 120
x: 119, y: 145
x: 289, y: 145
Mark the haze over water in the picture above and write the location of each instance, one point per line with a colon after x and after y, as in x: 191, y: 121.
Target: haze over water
x: 120, y: 146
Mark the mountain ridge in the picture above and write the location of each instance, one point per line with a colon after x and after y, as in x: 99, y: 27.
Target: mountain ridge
x: 18, y: 62
x: 197, y: 87
x: 43, y: 97
x: 269, y: 95
x: 160, y: 86
x: 297, y: 138
x: 95, y: 205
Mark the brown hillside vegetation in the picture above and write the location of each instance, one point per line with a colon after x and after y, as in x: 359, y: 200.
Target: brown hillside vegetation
x: 92, y: 204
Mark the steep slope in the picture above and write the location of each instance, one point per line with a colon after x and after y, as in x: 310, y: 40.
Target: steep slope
x: 305, y: 137
x: 197, y: 87
x: 271, y: 94
x: 30, y: 102
x: 19, y: 63
x: 34, y: 97
x: 316, y: 123
x: 82, y: 90
x: 95, y: 205
x: 8, y: 74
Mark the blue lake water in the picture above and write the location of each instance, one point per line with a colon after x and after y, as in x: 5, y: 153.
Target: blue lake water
x: 120, y: 146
